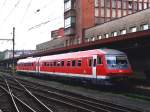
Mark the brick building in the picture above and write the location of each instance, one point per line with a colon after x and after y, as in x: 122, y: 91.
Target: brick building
x: 82, y: 14
x: 57, y: 33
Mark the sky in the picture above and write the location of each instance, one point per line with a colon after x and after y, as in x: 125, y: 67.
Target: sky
x: 33, y: 21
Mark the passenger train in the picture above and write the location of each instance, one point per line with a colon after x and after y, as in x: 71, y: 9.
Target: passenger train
x: 94, y: 66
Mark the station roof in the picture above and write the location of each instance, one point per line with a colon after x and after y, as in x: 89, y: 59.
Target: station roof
x: 90, y: 45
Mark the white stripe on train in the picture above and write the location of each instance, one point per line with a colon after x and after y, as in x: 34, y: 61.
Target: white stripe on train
x: 67, y: 74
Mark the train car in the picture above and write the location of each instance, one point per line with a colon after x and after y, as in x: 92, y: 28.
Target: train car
x: 95, y: 66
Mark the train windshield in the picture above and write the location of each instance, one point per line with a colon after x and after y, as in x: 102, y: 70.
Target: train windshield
x: 117, y: 62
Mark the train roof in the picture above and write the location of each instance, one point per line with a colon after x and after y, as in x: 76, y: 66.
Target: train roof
x: 29, y: 60
x: 112, y: 51
x: 81, y: 54
x: 72, y: 55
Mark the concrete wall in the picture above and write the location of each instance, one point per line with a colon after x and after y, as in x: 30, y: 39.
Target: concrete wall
x: 126, y: 22
x: 55, y: 43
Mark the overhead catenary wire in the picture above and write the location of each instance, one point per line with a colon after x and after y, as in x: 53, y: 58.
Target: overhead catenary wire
x: 26, y: 11
x: 27, y: 18
x: 12, y: 10
x: 43, y: 23
x: 4, y: 3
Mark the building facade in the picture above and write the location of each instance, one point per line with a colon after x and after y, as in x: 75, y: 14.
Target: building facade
x: 132, y: 23
x: 82, y: 14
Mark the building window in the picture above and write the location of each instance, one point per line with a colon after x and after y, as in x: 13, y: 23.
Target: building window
x: 96, y: 3
x: 68, y: 5
x: 145, y: 5
x: 130, y: 4
x: 96, y: 12
x: 144, y: 27
x: 114, y: 4
x: 123, y: 31
x: 119, y: 4
x: 106, y: 35
x: 102, y: 3
x: 133, y: 29
x: 114, y: 33
x: 93, y: 38
x: 69, y: 21
x: 140, y: 6
x: 99, y: 37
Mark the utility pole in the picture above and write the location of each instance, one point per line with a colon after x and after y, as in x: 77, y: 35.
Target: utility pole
x: 13, y: 40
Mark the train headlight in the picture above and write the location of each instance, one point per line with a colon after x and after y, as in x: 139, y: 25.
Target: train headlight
x: 120, y: 70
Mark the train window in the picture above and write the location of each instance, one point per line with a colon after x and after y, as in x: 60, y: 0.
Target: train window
x: 62, y: 63
x: 94, y: 63
x: 79, y: 62
x: 51, y: 63
x: 43, y: 63
x: 68, y: 63
x: 54, y: 63
x: 58, y: 63
x: 90, y: 62
x: 99, y: 60
x: 73, y: 63
x: 47, y: 64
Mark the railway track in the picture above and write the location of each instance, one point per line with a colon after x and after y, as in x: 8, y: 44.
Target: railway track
x: 22, y: 101
x: 82, y: 103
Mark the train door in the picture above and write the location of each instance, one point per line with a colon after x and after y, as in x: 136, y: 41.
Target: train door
x: 37, y: 66
x: 94, y: 66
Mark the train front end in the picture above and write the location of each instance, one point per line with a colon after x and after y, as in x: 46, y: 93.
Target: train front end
x: 117, y: 67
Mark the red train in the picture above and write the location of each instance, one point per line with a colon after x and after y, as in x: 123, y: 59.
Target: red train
x: 95, y: 66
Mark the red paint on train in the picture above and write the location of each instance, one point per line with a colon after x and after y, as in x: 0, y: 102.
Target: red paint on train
x: 92, y: 64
